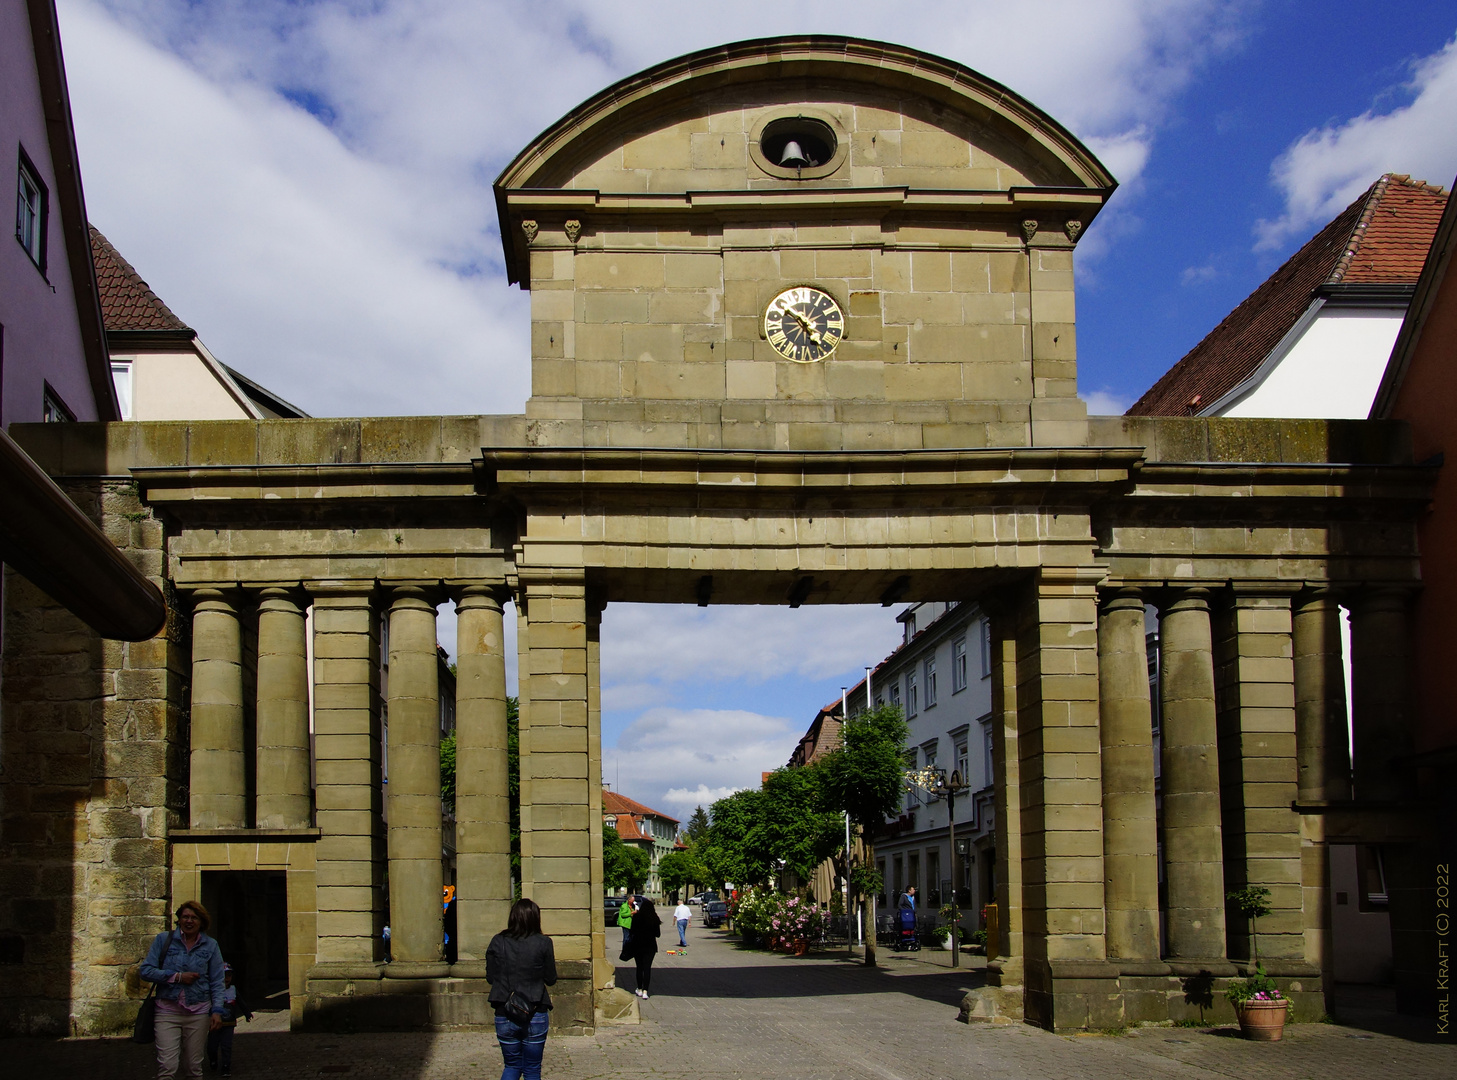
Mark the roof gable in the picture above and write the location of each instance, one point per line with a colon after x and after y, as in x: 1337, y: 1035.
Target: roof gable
x: 127, y: 302
x: 1381, y: 239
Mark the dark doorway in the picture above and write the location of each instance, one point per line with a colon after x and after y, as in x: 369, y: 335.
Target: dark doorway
x: 250, y: 923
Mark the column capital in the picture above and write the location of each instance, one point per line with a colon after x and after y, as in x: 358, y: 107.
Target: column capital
x: 473, y: 594
x: 289, y: 599
x: 1191, y: 598
x: 342, y: 593
x: 218, y: 598
x: 413, y: 595
x: 1318, y: 595
x: 1382, y: 597
x: 1123, y: 598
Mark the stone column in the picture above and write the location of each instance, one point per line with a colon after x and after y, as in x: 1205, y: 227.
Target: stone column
x: 350, y: 852
x: 1381, y: 691
x: 482, y: 802
x: 603, y: 969
x: 1258, y: 774
x: 1061, y: 804
x: 1323, y: 758
x: 218, y: 782
x: 1193, y: 852
x: 283, y: 713
x: 556, y: 786
x: 412, y: 795
x: 1130, y: 822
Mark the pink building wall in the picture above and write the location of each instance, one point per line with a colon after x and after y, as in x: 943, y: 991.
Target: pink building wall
x: 42, y: 339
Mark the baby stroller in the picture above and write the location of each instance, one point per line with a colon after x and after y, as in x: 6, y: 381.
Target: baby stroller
x: 906, y: 940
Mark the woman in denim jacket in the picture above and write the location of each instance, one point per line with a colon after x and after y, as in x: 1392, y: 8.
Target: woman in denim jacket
x: 187, y: 967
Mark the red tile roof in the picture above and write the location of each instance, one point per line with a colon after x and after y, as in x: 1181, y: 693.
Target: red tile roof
x: 627, y: 828
x: 127, y: 302
x: 1380, y: 239
x: 613, y: 803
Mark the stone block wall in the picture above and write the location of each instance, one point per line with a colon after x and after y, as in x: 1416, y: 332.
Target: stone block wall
x: 93, y: 741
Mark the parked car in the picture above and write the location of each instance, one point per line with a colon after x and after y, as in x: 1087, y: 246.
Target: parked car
x: 610, y: 905
x: 715, y: 912
x: 695, y: 899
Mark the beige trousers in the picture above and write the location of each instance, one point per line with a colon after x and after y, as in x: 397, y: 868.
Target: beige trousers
x: 181, y: 1037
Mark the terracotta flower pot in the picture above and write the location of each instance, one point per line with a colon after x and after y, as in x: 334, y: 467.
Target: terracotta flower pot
x: 1262, y: 1021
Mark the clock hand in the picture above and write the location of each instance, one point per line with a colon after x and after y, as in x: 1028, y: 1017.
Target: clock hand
x: 814, y: 335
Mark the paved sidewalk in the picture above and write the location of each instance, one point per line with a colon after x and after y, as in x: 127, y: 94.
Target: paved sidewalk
x: 719, y: 1012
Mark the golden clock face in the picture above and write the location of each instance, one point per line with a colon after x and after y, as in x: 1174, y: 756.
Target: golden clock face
x: 804, y: 324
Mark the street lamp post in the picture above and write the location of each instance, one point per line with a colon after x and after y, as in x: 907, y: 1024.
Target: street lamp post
x: 938, y: 785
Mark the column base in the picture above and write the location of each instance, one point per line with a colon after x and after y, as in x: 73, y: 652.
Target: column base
x: 1081, y: 995
x: 345, y: 997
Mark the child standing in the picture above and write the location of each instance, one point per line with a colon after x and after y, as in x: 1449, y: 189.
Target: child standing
x: 220, y: 1042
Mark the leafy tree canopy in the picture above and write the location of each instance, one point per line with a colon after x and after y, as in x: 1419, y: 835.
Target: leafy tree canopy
x: 678, y: 869
x: 865, y: 777
x: 623, y: 867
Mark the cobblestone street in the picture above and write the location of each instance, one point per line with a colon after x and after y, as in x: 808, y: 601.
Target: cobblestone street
x: 719, y: 1012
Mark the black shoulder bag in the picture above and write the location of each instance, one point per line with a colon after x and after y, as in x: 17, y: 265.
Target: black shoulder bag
x: 518, y: 1009
x: 145, y: 1029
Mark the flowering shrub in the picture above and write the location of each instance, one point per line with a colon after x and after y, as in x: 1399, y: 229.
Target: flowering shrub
x: 1258, y: 987
x: 771, y: 920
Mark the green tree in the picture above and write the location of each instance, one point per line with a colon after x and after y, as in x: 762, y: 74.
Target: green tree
x: 795, y: 827
x: 727, y: 850
x: 623, y: 867
x: 679, y: 869
x: 447, y: 773
x: 865, y: 778
x: 696, y: 829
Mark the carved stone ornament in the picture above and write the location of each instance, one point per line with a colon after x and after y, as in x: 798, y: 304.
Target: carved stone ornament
x: 1074, y: 229
x: 574, y: 229
x: 1029, y: 229
x: 530, y: 229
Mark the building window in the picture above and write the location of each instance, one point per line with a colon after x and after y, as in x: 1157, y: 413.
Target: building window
x: 930, y: 670
x: 895, y: 693
x: 958, y: 665
x: 31, y: 200
x: 121, y: 378
x: 986, y: 738
x: 963, y: 762
x: 984, y: 637
x: 53, y: 409
x: 913, y: 793
x: 911, y: 706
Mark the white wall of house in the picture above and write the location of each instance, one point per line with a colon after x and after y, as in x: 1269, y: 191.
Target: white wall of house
x: 174, y: 386
x: 949, y: 731
x: 1331, y: 371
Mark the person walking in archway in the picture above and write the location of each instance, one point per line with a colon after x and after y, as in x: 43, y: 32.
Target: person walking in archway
x: 187, y: 967
x: 520, y: 965
x: 646, y: 927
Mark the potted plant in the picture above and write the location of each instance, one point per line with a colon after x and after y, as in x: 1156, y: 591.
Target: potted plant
x: 1257, y: 1001
x: 950, y: 934
x: 1260, y: 1006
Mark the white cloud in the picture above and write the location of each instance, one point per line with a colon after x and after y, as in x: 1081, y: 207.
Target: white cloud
x: 676, y: 759
x: 309, y: 185
x: 1326, y: 168
x: 656, y: 642
x: 1106, y: 403
x: 1198, y: 275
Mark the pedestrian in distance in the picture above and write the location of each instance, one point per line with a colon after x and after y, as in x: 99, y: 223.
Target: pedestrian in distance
x: 681, y: 915
x: 220, y: 1040
x: 520, y: 965
x: 624, y: 920
x: 646, y: 928
x: 187, y: 967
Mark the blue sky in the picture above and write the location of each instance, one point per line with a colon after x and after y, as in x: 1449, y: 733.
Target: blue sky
x: 308, y: 185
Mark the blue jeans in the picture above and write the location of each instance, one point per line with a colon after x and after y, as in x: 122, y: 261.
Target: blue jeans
x: 522, y: 1047
x: 682, y: 930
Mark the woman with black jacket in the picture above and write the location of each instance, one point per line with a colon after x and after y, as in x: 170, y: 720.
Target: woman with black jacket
x: 646, y: 926
x: 521, y: 960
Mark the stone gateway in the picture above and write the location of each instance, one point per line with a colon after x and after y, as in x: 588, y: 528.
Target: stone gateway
x: 803, y: 332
